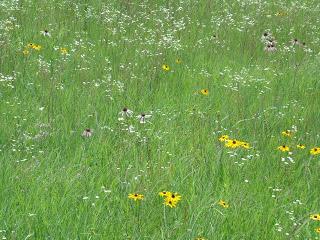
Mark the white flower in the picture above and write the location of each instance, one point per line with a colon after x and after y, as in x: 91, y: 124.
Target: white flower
x: 87, y: 133
x: 142, y: 117
x: 270, y: 48
x: 125, y: 113
x: 45, y: 33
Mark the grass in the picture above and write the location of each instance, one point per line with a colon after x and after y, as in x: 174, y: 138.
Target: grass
x: 56, y: 184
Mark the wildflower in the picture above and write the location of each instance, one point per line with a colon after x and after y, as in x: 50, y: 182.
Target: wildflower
x: 45, y: 33
x: 25, y: 52
x: 223, y: 204
x: 142, y: 117
x: 287, y: 133
x: 284, y: 148
x: 315, y: 151
x: 87, y: 133
x: 199, y: 238
x: 295, y: 41
x: 317, y: 230
x: 204, y: 92
x: 281, y: 14
x: 164, y: 194
x: 223, y: 138
x: 63, y: 51
x: 301, y: 146
x: 30, y: 45
x: 315, y: 217
x: 245, y: 145
x: 135, y: 196
x: 232, y: 143
x: 125, y: 113
x: 36, y: 47
x: 270, y: 48
x: 175, y: 197
x: 178, y: 61
x: 170, y: 203
x: 266, y: 38
x: 165, y: 67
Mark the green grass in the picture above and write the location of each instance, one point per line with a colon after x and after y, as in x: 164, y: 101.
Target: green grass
x: 56, y: 184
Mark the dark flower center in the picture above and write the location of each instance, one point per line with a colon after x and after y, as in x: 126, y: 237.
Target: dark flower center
x: 125, y: 109
x: 136, y: 195
x: 234, y: 142
x: 265, y: 34
x: 88, y: 130
x: 143, y: 115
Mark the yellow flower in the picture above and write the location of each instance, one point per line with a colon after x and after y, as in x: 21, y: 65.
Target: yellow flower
x: 135, y: 196
x: 204, y: 92
x: 223, y: 138
x: 178, y: 61
x: 199, y: 238
x: 165, y: 67
x: 25, y: 52
x: 64, y: 51
x: 175, y: 197
x: 30, y: 45
x: 315, y: 151
x: 164, y: 194
x: 317, y: 230
x: 170, y: 203
x: 223, y: 204
x: 232, y: 143
x: 284, y: 148
x: 245, y: 145
x: 36, y: 47
x: 301, y: 146
x: 315, y: 217
x: 281, y: 14
x: 287, y: 133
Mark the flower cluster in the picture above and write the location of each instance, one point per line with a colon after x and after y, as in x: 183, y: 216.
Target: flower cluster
x: 170, y: 199
x: 31, y: 46
x: 233, y: 143
x: 316, y: 217
x: 269, y: 42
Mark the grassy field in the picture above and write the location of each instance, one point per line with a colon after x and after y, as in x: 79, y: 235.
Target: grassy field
x: 216, y: 102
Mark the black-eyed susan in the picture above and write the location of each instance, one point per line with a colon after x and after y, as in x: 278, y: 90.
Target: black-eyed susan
x: 30, y: 45
x: 170, y: 203
x: 317, y: 230
x: 245, y: 145
x: 223, y: 204
x: 175, y: 197
x: 63, y: 51
x: 287, y: 133
x: 315, y: 151
x: 232, y: 143
x: 284, y: 148
x: 301, y: 146
x: 164, y: 194
x: 178, y: 61
x: 136, y: 196
x: 315, y: 217
x: 37, y: 47
x: 223, y: 138
x: 281, y: 14
x: 165, y: 67
x: 204, y: 92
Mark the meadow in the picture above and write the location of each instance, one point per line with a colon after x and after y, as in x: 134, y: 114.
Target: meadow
x: 148, y: 119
